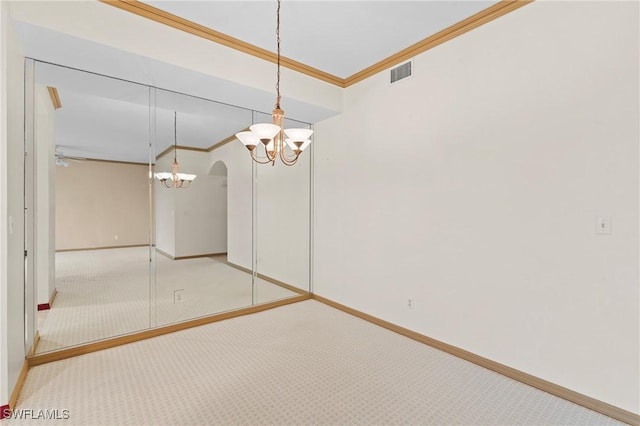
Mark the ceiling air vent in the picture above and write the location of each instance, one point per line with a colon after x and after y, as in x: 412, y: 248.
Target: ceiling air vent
x: 401, y: 72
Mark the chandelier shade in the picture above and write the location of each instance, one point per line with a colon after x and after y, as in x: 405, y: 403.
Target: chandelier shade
x: 265, y: 131
x: 249, y: 139
x: 294, y: 146
x: 272, y: 135
x: 298, y: 134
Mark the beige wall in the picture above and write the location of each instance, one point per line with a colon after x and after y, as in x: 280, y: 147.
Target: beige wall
x: 101, y: 204
x: 473, y: 187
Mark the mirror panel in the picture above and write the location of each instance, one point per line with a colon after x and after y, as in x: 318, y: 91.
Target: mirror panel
x: 199, y: 228
x: 117, y: 252
x: 91, y: 196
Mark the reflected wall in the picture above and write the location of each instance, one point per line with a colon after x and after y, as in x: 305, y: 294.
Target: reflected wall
x: 283, y: 217
x: 118, y: 252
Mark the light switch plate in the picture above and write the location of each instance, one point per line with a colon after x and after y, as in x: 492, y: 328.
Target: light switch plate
x: 603, y: 225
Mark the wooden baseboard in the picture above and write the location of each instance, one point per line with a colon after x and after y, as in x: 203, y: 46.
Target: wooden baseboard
x: 241, y: 268
x: 552, y: 388
x: 13, y: 400
x: 267, y: 278
x: 21, y: 378
x: 101, y: 248
x: 165, y: 254
x: 196, y: 256
x: 154, y: 332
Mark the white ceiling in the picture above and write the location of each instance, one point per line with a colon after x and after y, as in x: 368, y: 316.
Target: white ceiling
x: 109, y: 118
x: 338, y: 37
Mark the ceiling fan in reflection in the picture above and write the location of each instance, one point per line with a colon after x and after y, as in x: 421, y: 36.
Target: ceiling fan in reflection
x: 64, y: 160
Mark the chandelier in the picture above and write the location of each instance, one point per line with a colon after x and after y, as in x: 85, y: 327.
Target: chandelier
x: 175, y: 179
x: 273, y: 138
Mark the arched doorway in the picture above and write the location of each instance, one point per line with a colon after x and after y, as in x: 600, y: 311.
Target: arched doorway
x: 218, y: 173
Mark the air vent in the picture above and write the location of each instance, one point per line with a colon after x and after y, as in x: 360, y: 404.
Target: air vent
x: 401, y: 72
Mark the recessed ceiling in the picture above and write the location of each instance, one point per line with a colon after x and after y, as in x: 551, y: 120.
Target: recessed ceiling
x: 338, y: 37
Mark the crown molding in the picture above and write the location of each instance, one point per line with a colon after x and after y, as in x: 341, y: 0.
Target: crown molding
x: 55, y: 97
x: 225, y: 141
x: 159, y: 15
x: 474, y: 21
x: 182, y: 147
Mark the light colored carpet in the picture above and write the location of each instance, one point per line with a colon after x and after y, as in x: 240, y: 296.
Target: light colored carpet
x: 106, y: 293
x: 304, y: 363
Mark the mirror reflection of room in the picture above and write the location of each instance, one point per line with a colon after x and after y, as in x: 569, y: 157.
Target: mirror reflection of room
x: 127, y: 251
x: 98, y: 216
x: 204, y: 233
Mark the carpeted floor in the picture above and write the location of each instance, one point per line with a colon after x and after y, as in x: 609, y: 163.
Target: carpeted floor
x: 304, y: 363
x: 106, y: 293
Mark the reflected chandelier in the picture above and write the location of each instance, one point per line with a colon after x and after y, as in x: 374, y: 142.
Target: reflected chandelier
x: 175, y: 179
x: 271, y: 135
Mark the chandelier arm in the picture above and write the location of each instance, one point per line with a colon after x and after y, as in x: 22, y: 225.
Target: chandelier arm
x: 285, y: 158
x: 288, y: 164
x: 288, y: 161
x: 255, y: 158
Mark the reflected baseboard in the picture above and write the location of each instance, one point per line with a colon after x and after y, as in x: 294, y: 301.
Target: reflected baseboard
x: 196, y: 256
x: 269, y: 279
x: 53, y: 297
x: 34, y: 346
x: 101, y: 248
x: 61, y: 354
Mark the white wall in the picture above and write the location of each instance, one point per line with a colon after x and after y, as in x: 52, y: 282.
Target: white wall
x: 239, y: 201
x: 213, y: 218
x: 283, y: 221
x: 12, y: 350
x: 473, y: 187
x: 45, y: 195
x: 193, y: 221
x: 200, y: 220
x: 218, y: 205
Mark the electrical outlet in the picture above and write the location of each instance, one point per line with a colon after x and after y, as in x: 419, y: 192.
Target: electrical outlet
x: 410, y: 303
x: 178, y: 296
x: 115, y: 237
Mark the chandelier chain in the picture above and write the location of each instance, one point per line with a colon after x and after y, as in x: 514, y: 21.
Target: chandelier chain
x: 175, y: 136
x: 278, y: 46
x: 276, y: 141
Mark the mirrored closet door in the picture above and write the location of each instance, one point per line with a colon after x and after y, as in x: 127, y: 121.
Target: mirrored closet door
x: 120, y: 246
x: 203, y: 230
x: 92, y: 212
